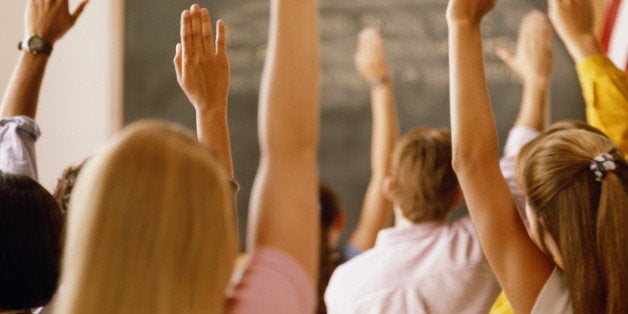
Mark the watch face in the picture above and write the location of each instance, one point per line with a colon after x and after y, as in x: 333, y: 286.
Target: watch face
x: 36, y: 44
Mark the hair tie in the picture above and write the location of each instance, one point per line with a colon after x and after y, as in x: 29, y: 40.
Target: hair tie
x: 601, y: 164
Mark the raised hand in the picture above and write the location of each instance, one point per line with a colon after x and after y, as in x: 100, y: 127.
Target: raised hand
x: 370, y: 57
x: 202, y: 66
x: 533, y: 57
x: 573, y: 21
x: 468, y: 11
x: 49, y: 19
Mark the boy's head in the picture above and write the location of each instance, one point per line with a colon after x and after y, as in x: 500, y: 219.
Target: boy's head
x: 422, y: 184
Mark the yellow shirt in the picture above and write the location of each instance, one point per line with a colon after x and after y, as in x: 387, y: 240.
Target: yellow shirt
x: 501, y: 305
x: 605, y: 91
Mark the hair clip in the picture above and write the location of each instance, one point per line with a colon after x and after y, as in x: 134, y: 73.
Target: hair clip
x: 601, y: 164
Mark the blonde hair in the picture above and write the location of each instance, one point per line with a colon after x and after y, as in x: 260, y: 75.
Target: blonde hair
x: 423, y: 179
x: 150, y: 228
x: 588, y: 219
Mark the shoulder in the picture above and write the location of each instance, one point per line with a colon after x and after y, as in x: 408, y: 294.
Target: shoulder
x: 270, y: 277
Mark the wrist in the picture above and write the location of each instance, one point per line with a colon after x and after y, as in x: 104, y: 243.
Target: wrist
x: 583, y: 46
x: 537, y: 82
x: 213, y: 108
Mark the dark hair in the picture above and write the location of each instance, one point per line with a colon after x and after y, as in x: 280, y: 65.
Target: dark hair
x: 30, y: 245
x: 330, y: 209
x: 65, y: 185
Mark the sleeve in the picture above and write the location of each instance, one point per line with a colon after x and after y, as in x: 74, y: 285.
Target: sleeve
x: 17, y: 145
x: 517, y: 138
x: 348, y: 252
x: 273, y: 283
x: 605, y: 90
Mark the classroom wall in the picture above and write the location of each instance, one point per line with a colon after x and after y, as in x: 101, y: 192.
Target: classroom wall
x: 79, y: 101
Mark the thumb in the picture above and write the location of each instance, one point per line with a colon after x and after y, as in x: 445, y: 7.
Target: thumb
x: 79, y: 10
x: 506, y: 56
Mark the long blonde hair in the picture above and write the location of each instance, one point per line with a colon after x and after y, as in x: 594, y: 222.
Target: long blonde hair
x: 150, y: 228
x: 587, y: 219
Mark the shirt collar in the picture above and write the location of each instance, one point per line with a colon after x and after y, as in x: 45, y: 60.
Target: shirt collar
x: 397, y: 235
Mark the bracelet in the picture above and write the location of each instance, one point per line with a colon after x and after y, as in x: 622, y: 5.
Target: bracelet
x: 380, y: 81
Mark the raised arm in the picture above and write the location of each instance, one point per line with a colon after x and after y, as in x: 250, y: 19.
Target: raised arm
x: 371, y: 62
x: 49, y: 21
x: 202, y: 68
x: 521, y: 268
x: 532, y: 62
x: 604, y: 86
x: 283, y: 211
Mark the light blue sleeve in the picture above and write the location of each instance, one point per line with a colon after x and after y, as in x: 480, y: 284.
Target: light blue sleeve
x: 17, y: 146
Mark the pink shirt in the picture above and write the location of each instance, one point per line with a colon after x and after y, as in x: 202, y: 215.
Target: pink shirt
x: 273, y: 282
x: 426, y: 268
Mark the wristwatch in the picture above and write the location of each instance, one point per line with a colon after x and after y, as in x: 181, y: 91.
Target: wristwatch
x: 35, y: 45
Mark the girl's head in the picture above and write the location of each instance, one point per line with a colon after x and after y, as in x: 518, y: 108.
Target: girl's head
x: 578, y: 217
x: 150, y: 227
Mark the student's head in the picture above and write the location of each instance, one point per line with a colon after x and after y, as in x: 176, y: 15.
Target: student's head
x: 65, y: 185
x: 576, y: 185
x: 422, y: 184
x: 150, y: 227
x: 30, y: 248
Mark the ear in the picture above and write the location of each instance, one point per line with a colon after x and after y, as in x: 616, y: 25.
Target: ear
x: 388, y: 189
x: 339, y: 222
x: 550, y: 244
x: 456, y: 198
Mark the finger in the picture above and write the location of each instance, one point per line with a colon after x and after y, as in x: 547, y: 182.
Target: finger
x: 79, y: 10
x: 504, y: 55
x: 186, y: 34
x: 221, y: 38
x: 208, y: 37
x: 197, y: 33
x: 178, y: 62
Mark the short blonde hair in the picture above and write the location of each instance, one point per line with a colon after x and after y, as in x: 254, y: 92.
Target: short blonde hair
x: 424, y: 181
x: 150, y: 228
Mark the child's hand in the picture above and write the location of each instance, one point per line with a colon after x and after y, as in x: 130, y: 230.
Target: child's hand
x: 468, y: 11
x: 370, y: 57
x: 202, y: 68
x: 573, y: 21
x: 50, y: 20
x: 533, y: 57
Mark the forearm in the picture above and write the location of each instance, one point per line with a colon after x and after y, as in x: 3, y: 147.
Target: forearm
x: 290, y: 84
x: 582, y: 47
x: 22, y: 93
x: 533, y: 112
x: 474, y: 135
x: 376, y: 209
x: 385, y: 128
x: 213, y: 131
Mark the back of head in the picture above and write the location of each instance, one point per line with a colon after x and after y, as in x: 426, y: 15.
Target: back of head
x: 424, y: 182
x: 585, y: 214
x: 150, y: 227
x: 30, y: 248
x: 65, y: 185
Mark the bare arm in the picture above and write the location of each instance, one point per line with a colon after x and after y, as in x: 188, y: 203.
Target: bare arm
x: 49, y: 20
x: 519, y: 265
x: 283, y: 212
x: 372, y: 64
x: 203, y: 72
x: 532, y: 62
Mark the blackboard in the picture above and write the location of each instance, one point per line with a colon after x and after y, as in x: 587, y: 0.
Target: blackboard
x: 416, y: 39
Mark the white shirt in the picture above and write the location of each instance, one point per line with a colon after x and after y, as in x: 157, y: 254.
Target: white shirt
x: 426, y: 268
x: 554, y: 297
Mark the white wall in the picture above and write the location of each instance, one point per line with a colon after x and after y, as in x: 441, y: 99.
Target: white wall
x: 81, y: 95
